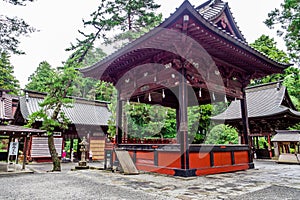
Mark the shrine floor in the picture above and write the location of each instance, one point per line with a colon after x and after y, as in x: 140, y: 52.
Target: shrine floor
x: 268, y: 180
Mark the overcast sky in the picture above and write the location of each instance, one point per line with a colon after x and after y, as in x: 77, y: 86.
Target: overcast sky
x: 59, y: 20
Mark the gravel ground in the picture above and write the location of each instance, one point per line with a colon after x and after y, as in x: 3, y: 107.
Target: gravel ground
x: 268, y: 181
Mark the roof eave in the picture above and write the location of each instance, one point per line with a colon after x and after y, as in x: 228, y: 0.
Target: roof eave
x: 185, y: 7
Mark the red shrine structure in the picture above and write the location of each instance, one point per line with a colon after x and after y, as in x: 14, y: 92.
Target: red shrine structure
x: 196, y: 56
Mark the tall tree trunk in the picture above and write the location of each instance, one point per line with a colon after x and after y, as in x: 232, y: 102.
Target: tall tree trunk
x: 53, y: 153
x: 51, y: 146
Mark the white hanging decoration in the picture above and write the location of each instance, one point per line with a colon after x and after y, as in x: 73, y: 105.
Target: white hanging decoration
x: 149, y: 97
x: 155, y: 78
x: 213, y: 96
x: 128, y: 102
x: 225, y: 99
x: 200, y: 93
x: 163, y: 93
x: 138, y: 99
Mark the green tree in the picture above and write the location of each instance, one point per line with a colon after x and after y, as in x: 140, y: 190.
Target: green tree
x: 12, y: 28
x: 123, y: 17
x: 134, y: 18
x: 222, y: 134
x: 292, y: 82
x: 93, y: 56
x: 267, y: 45
x: 199, y: 122
x: 128, y: 18
x: 91, y: 88
x: 51, y: 114
x: 7, y: 79
x: 40, y: 78
x: 291, y: 75
x: 288, y: 20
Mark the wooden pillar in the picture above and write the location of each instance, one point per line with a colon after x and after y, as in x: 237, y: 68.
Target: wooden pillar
x: 244, y: 112
x: 119, y: 112
x: 270, y: 146
x: 9, y: 140
x: 26, y: 140
x: 183, y: 128
x: 178, y: 125
x: 246, y: 130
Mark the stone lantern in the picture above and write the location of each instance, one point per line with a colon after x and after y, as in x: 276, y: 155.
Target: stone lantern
x: 82, y: 164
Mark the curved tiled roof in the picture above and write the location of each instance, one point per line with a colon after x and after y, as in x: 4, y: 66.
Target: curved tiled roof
x: 262, y: 101
x: 212, y: 9
x: 79, y: 114
x: 98, y: 69
x: 286, y: 136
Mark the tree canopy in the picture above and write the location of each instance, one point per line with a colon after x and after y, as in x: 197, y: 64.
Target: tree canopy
x: 39, y: 79
x: 12, y: 28
x: 126, y: 18
x: 287, y: 22
x: 267, y: 45
x: 7, y: 79
x: 291, y: 75
x: 222, y: 134
x: 51, y: 115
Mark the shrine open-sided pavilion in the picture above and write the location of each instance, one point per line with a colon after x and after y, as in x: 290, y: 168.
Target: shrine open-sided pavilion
x: 196, y: 56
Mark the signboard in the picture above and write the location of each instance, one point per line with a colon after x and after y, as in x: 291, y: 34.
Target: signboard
x: 13, y: 148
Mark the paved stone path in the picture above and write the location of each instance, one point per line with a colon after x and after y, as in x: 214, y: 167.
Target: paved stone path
x: 267, y: 181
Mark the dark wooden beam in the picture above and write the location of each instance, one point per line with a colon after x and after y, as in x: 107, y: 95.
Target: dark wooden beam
x: 119, y: 111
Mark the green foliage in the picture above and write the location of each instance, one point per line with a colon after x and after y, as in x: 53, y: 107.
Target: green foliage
x: 7, y: 80
x: 292, y: 82
x: 39, y: 80
x: 93, y: 56
x: 11, y: 29
x: 146, y: 121
x: 112, y: 107
x: 288, y: 20
x: 104, y: 91
x: 222, y: 134
x: 262, y: 143
x: 198, y: 122
x: 130, y: 18
x: 295, y: 127
x: 291, y: 75
x: 169, y: 128
x: 51, y: 114
x: 4, y: 144
x: 267, y: 45
x: 291, y: 79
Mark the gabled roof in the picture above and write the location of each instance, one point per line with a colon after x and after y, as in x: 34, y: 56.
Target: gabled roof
x: 219, y: 13
x: 5, y: 105
x: 234, y: 49
x: 262, y: 101
x: 83, y: 112
x: 286, y: 136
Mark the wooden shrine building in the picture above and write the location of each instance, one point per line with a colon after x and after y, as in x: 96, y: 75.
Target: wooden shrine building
x: 12, y: 133
x: 287, y: 146
x: 196, y: 56
x: 88, y: 118
x: 269, y: 108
